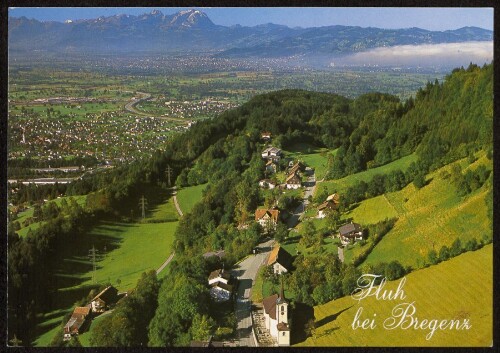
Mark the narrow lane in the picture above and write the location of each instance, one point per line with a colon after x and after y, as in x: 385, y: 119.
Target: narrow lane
x: 246, y: 272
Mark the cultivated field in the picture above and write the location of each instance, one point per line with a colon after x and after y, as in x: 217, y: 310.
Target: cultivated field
x: 429, y: 218
x: 443, y: 292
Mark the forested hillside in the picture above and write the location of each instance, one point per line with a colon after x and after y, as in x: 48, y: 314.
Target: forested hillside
x: 445, y: 122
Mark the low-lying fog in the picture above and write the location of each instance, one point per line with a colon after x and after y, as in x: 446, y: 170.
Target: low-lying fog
x: 427, y: 55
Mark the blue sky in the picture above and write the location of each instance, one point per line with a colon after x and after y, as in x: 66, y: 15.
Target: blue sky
x: 427, y: 18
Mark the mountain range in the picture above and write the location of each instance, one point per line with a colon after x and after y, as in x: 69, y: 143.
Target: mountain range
x: 193, y: 31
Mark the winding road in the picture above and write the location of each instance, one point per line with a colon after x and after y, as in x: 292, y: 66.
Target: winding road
x: 130, y: 106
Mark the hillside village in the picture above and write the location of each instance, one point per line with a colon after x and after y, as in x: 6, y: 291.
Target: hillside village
x: 268, y: 222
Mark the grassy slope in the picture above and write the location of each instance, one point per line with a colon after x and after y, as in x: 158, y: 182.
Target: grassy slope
x: 132, y: 248
x: 338, y: 185
x: 188, y: 197
x: 432, y: 216
x: 444, y: 291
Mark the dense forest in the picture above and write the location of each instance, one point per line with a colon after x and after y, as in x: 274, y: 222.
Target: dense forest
x: 444, y: 122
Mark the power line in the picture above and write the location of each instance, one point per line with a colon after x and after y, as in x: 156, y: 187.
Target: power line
x: 168, y: 173
x: 93, y: 257
x: 142, y: 204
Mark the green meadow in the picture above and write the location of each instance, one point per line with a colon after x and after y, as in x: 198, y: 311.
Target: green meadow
x: 442, y: 292
x: 189, y: 196
x: 339, y: 185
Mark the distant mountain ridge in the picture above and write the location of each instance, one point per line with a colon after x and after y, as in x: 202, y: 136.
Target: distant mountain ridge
x: 193, y: 31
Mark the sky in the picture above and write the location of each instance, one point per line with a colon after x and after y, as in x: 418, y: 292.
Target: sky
x: 437, y: 19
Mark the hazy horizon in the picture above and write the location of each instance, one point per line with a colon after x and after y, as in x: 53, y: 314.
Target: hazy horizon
x: 434, y: 19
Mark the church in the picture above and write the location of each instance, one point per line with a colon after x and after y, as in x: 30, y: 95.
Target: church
x: 276, y: 317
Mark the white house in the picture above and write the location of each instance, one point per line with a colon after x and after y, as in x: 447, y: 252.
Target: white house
x: 267, y: 184
x: 276, y: 317
x: 268, y: 219
x: 280, y: 259
x: 219, y: 276
x: 271, y: 152
x: 102, y: 301
x: 220, y: 287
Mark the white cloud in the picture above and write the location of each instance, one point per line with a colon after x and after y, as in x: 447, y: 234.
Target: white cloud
x: 449, y: 54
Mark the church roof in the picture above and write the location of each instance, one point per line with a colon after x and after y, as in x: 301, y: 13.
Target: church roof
x: 269, y: 304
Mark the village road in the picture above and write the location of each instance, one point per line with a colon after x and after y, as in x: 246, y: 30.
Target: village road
x: 246, y: 272
x: 309, y: 185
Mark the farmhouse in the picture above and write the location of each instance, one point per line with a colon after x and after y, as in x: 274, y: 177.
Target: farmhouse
x: 350, y: 232
x: 276, y: 317
x: 221, y: 288
x: 293, y: 181
x: 271, y: 152
x: 268, y: 219
x: 265, y: 135
x: 280, y: 259
x: 326, y: 207
x: 334, y: 198
x: 297, y: 167
x: 76, y: 322
x: 267, y: 184
x: 219, y: 276
x: 102, y: 301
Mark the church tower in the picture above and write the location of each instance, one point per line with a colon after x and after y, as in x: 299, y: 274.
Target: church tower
x: 282, y: 318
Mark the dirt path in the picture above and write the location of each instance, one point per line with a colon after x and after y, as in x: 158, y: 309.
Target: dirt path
x: 177, y: 207
x: 165, y: 263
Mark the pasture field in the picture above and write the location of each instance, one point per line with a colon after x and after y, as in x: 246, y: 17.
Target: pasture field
x: 189, y: 196
x: 445, y: 291
x: 339, y: 185
x: 141, y: 247
x: 430, y: 218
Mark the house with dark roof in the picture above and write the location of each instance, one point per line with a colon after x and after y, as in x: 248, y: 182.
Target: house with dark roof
x: 106, y: 298
x: 280, y: 260
x: 77, y: 321
x: 326, y: 207
x: 276, y: 317
x: 350, y: 232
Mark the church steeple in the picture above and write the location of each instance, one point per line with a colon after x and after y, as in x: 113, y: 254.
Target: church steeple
x: 281, y: 297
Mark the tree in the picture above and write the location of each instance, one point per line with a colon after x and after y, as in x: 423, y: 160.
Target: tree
x: 432, y: 257
x: 444, y: 253
x: 281, y: 232
x: 308, y: 235
x: 394, y: 270
x: 202, y: 328
x: 456, y: 248
x: 310, y: 328
x: 419, y: 180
